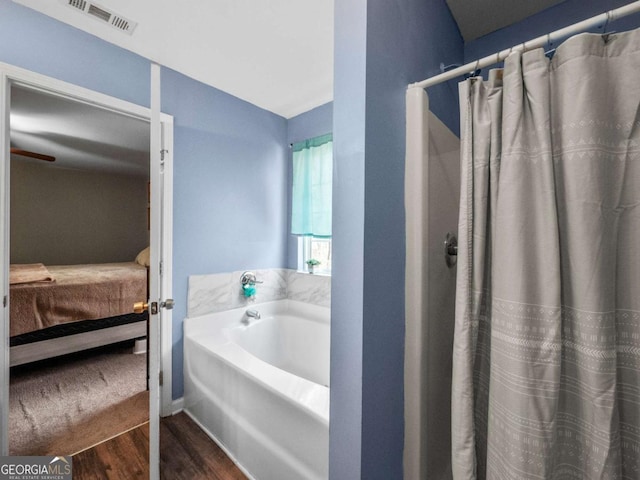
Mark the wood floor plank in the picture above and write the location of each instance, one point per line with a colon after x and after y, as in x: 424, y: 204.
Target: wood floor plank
x: 122, y: 457
x: 186, y: 453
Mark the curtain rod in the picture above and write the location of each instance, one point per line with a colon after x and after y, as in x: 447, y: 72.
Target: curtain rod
x: 497, y: 57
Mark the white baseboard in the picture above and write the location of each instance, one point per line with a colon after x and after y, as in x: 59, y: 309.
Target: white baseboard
x: 177, y: 405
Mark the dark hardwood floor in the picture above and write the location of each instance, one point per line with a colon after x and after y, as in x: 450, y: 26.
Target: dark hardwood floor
x: 123, y: 457
x: 186, y: 452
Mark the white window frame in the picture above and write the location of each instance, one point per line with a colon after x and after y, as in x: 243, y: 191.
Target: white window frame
x: 304, y: 253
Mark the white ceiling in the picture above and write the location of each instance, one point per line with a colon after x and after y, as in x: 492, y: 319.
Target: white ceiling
x: 80, y: 136
x: 476, y: 18
x: 276, y: 54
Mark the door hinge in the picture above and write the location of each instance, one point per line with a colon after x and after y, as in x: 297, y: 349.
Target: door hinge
x: 161, y: 378
x: 162, y: 152
x: 161, y: 268
x: 4, y: 301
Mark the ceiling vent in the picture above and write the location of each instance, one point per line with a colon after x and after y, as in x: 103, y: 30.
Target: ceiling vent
x: 103, y: 14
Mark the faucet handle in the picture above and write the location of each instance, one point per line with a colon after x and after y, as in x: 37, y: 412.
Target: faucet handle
x: 249, y: 278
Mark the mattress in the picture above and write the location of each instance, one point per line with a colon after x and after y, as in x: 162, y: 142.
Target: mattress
x: 78, y: 292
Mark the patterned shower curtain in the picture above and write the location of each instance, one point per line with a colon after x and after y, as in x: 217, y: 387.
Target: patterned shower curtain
x: 546, y: 376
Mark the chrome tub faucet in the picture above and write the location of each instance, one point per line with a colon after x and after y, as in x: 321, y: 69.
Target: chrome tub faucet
x: 251, y: 313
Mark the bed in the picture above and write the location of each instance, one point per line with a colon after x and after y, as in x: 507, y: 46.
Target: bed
x: 63, y: 309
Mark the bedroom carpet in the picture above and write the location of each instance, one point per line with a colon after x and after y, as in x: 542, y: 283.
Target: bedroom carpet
x: 66, y: 405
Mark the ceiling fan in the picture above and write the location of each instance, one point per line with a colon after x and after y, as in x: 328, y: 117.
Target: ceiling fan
x: 38, y: 156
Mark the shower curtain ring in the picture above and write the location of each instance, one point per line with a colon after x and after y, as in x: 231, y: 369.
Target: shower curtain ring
x: 606, y: 23
x: 476, y: 70
x: 549, y: 51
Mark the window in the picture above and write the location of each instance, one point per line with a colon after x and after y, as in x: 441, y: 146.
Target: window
x: 317, y: 248
x: 311, y: 201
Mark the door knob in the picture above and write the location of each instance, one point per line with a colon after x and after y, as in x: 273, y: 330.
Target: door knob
x: 168, y: 304
x: 140, y: 307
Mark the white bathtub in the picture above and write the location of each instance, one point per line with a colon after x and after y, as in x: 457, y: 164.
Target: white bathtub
x: 262, y: 390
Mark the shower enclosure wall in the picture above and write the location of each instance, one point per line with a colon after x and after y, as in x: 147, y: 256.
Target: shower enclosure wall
x: 432, y: 190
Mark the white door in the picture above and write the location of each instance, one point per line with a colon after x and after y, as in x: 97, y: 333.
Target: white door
x: 160, y: 301
x: 160, y: 240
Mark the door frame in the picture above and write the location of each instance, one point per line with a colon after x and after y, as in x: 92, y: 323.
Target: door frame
x: 9, y: 75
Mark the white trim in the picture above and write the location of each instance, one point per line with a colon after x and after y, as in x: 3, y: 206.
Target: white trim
x: 155, y: 280
x: 10, y: 74
x: 4, y: 261
x: 416, y: 195
x: 300, y: 247
x: 166, y: 327
x: 177, y: 406
x: 53, y: 86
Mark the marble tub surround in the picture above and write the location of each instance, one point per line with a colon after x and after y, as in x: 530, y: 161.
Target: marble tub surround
x: 223, y: 291
x: 207, y: 293
x: 314, y: 289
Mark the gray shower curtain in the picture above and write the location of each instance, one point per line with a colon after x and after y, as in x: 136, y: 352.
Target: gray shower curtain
x: 546, y: 375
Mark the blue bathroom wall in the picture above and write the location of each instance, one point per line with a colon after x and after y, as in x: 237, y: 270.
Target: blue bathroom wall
x: 347, y: 281
x: 313, y: 123
x: 41, y: 44
x: 230, y: 157
x: 380, y: 47
x: 554, y: 18
x: 230, y: 189
x: 310, y: 124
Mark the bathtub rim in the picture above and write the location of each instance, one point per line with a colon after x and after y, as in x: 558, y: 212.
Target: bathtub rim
x: 317, y: 313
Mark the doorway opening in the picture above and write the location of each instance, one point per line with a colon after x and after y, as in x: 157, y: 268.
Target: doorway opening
x: 79, y: 230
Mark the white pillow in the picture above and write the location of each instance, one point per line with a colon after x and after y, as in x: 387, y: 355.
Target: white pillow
x: 143, y: 257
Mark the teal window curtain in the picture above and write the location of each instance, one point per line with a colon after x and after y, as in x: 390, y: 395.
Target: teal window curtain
x: 311, y: 196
